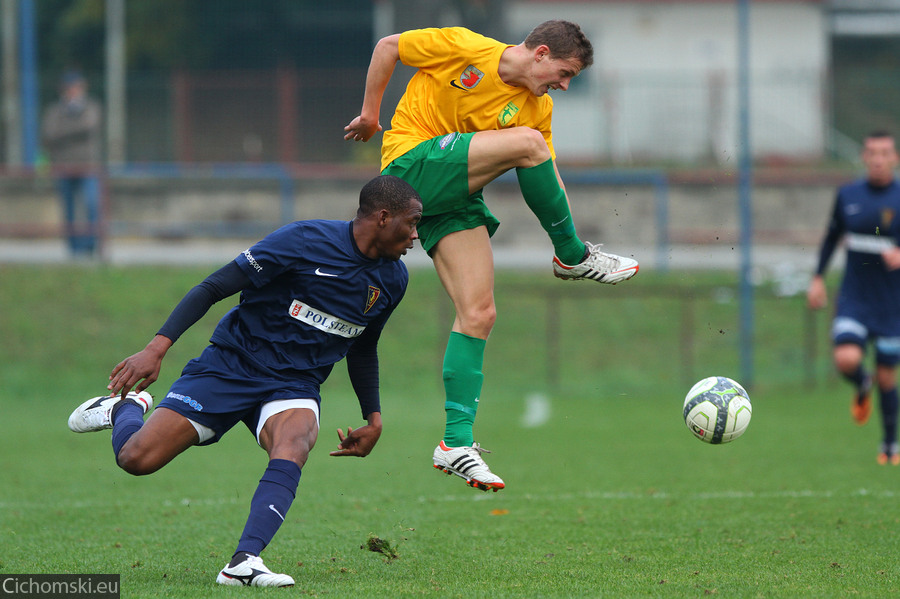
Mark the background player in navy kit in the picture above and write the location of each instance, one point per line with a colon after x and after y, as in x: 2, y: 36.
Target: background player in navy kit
x: 867, y: 214
x: 312, y: 292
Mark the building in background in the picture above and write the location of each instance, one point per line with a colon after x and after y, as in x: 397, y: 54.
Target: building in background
x: 663, y: 88
x: 275, y: 82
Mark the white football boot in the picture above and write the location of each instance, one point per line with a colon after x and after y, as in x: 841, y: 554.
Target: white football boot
x: 597, y: 266
x: 252, y: 572
x: 94, y: 414
x: 466, y: 462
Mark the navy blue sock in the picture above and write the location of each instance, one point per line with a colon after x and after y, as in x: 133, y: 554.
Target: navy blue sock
x: 889, y: 408
x: 128, y: 418
x: 858, y: 377
x: 269, y: 505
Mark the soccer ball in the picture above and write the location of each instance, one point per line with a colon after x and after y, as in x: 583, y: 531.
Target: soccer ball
x: 717, y: 410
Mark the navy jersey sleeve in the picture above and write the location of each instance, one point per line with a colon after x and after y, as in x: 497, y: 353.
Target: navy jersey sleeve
x: 271, y: 256
x: 832, y: 236
x: 362, y: 365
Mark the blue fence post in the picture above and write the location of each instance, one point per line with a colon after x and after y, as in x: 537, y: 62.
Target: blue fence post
x: 30, y: 97
x: 745, y: 193
x: 287, y: 195
x: 662, y: 222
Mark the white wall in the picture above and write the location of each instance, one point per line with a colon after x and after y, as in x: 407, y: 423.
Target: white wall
x: 663, y: 84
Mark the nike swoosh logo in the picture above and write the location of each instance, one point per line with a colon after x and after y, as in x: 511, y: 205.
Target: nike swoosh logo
x: 324, y: 274
x: 560, y: 222
x: 272, y: 507
x: 453, y: 83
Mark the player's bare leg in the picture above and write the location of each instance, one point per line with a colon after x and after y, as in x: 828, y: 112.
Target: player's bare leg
x: 165, y: 435
x: 290, y: 435
x: 492, y: 153
x: 464, y: 263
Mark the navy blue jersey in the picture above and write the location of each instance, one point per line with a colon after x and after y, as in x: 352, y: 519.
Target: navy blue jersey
x: 868, y: 218
x: 327, y: 294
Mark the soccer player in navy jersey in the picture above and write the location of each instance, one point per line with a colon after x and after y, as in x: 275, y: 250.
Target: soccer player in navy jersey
x: 312, y: 293
x: 867, y: 216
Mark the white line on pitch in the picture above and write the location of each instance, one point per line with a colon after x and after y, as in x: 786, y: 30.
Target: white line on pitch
x: 506, y: 496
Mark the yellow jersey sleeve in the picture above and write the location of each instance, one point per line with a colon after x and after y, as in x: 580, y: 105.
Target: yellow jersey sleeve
x: 457, y: 88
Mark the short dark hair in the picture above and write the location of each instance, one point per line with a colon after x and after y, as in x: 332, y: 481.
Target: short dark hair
x: 386, y: 192
x: 565, y: 40
x: 71, y: 77
x: 879, y: 134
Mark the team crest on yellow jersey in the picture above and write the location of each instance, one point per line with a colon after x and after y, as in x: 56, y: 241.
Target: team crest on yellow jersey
x: 374, y: 292
x: 470, y: 77
x: 507, y: 114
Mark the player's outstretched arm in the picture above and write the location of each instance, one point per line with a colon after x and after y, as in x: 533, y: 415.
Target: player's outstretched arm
x: 141, y: 369
x: 381, y: 67
x: 359, y: 442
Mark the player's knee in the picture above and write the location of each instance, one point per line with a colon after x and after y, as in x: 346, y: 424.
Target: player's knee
x: 847, y: 357
x: 489, y: 316
x: 524, y: 147
x: 478, y: 321
x: 534, y: 146
x: 290, y: 435
x: 292, y: 449
x: 846, y: 362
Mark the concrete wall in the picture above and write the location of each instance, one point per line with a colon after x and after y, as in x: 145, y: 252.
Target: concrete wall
x: 701, y: 209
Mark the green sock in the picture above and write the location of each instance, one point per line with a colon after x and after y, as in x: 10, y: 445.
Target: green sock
x: 547, y: 200
x: 462, y: 384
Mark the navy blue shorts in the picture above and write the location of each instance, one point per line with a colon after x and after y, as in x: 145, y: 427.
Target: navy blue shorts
x: 845, y: 329
x: 218, y: 390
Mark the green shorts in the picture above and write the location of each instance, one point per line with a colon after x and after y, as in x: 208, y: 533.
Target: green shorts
x: 439, y: 170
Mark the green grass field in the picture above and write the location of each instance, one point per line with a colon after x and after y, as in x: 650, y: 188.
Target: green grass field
x: 608, y: 494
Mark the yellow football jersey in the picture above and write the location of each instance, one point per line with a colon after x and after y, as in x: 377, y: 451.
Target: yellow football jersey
x: 457, y: 88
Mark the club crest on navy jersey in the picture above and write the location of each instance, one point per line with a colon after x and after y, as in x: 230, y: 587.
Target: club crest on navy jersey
x: 374, y: 292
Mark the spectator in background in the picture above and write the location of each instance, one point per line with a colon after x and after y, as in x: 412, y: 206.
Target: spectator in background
x: 866, y: 215
x: 70, y: 133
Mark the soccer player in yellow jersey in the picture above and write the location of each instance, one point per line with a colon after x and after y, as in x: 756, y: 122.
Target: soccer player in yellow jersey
x: 474, y: 109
